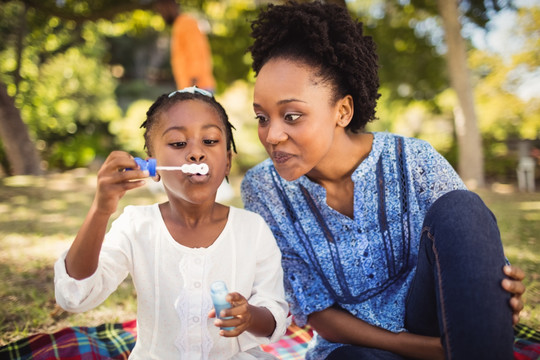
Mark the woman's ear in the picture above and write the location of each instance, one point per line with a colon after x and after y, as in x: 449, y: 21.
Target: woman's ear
x: 345, y: 108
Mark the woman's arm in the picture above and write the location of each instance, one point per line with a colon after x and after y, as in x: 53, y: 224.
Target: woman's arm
x: 337, y: 325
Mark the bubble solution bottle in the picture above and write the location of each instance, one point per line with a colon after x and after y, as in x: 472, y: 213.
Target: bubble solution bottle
x: 218, y: 292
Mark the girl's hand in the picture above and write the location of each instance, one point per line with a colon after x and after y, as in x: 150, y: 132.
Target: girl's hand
x: 240, y: 311
x: 113, y: 181
x: 514, y: 286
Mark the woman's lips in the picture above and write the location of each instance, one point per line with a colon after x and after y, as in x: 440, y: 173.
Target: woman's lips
x: 280, y: 157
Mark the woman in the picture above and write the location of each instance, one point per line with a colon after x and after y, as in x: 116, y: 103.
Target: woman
x: 385, y: 252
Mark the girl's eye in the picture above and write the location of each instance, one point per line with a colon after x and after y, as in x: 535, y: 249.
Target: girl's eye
x: 210, y: 141
x: 178, y: 144
x: 292, y: 117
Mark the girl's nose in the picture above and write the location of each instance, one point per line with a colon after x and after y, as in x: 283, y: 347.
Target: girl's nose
x: 197, y: 157
x: 196, y: 154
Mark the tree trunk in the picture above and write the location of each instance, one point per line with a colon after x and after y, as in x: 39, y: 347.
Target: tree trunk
x: 471, y: 158
x: 20, y: 150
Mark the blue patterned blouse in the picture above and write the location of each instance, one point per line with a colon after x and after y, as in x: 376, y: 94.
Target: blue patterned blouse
x: 366, y: 264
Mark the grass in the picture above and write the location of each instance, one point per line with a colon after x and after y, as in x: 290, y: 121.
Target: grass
x: 39, y: 217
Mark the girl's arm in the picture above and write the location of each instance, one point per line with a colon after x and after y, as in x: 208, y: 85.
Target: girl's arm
x: 257, y: 320
x: 337, y: 325
x: 82, y: 258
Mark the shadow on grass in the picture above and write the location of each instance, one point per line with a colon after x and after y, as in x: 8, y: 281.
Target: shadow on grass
x: 39, y: 217
x: 518, y: 217
x: 27, y: 297
x: 29, y: 305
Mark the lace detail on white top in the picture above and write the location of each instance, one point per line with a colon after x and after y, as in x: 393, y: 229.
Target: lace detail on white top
x: 192, y: 306
x: 207, y: 342
x: 181, y: 305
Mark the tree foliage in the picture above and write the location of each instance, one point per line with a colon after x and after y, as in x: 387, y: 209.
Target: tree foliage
x: 81, y: 72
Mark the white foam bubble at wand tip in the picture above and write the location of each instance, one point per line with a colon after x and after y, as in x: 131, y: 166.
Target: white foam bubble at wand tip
x: 187, y: 168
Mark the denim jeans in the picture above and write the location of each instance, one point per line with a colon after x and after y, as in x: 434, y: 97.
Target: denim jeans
x: 349, y: 352
x: 456, y: 293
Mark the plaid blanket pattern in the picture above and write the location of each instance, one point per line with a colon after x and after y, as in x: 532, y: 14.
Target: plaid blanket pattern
x: 115, y: 341
x: 293, y: 345
x: 527, y: 343
x: 106, y: 341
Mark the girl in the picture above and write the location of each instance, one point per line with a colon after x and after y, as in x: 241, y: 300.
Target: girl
x: 385, y: 252
x: 175, y: 250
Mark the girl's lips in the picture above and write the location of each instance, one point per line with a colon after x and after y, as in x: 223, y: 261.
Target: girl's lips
x: 280, y: 157
x: 198, y: 178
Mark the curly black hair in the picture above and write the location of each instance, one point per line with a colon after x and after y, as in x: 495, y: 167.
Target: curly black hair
x: 327, y: 38
x: 166, y: 101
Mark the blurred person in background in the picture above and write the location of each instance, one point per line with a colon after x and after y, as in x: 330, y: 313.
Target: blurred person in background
x: 191, y: 56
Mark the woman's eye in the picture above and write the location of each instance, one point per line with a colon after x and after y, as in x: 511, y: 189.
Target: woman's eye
x: 292, y: 117
x: 261, y: 119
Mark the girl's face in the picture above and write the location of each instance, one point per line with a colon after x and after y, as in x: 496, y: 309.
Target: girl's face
x: 191, y: 132
x: 297, y: 120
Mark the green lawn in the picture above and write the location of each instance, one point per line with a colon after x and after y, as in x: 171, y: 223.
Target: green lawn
x: 39, y: 217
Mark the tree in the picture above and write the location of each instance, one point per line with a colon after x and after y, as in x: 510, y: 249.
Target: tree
x: 93, y: 29
x: 20, y: 149
x: 471, y: 159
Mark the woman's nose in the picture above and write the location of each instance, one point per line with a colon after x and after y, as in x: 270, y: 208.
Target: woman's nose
x: 275, y: 133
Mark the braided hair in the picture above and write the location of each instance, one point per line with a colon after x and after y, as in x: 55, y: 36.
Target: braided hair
x: 325, y: 37
x: 166, y: 101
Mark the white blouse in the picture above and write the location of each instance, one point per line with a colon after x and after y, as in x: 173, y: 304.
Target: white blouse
x: 172, y: 283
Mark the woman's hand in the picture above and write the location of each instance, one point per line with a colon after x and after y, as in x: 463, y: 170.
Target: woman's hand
x: 514, y: 285
x: 257, y: 320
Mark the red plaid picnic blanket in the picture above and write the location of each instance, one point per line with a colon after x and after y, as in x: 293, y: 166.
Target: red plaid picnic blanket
x: 106, y: 341
x: 115, y: 341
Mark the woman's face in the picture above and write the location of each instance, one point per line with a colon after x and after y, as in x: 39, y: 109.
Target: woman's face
x: 297, y: 120
x: 191, y: 132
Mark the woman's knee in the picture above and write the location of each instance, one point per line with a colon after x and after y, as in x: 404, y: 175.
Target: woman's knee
x: 460, y: 210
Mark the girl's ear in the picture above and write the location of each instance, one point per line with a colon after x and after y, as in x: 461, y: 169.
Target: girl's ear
x: 345, y: 108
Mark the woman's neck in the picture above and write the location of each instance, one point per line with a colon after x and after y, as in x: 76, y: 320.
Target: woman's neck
x: 344, y: 157
x: 335, y: 170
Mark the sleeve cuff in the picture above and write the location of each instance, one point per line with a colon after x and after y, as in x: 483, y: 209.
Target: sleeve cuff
x: 71, y: 293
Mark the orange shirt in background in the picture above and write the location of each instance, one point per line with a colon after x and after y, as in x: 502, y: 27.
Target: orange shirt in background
x: 191, y: 57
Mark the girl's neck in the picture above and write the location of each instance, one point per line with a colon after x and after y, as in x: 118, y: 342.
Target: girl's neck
x: 191, y: 215
x: 195, y: 226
